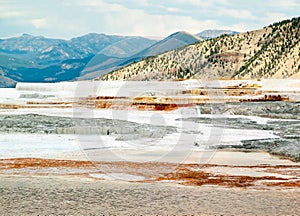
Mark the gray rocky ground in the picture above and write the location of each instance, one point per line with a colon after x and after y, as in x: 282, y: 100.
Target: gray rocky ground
x: 42, y: 124
x: 284, y: 122
x: 80, y: 196
x: 271, y: 109
x: 73, y: 195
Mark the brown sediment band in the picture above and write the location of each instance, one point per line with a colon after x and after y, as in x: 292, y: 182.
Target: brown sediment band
x: 267, y: 98
x: 199, y: 178
x: 36, y: 105
x: 186, y: 174
x: 284, y: 184
x: 18, y: 163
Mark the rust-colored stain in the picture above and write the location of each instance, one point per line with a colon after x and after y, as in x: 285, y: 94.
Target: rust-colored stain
x: 230, y: 91
x: 266, y: 98
x: 18, y: 163
x: 155, y: 106
x: 187, y: 97
x: 103, y: 104
x: 186, y: 174
x: 48, y: 103
x: 190, y: 177
x: 201, y: 92
x: 9, y: 106
x: 33, y: 106
x: 284, y: 184
x: 110, y: 97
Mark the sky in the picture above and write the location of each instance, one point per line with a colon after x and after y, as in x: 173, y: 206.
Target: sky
x: 71, y: 18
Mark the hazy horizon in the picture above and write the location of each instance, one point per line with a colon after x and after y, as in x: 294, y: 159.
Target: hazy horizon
x: 72, y: 18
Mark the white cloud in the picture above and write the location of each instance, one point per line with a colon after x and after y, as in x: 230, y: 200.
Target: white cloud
x: 10, y: 14
x: 197, y: 3
x: 284, y: 4
x: 203, y: 3
x: 224, y: 2
x: 139, y: 17
x: 121, y: 20
x: 239, y: 14
x: 102, y: 6
x: 273, y: 17
x: 169, y: 24
x: 240, y: 27
x: 39, y: 23
x: 173, y: 10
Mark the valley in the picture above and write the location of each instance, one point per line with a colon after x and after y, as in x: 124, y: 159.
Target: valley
x: 189, y: 124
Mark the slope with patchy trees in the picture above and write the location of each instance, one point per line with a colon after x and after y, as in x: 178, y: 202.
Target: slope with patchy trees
x: 271, y: 52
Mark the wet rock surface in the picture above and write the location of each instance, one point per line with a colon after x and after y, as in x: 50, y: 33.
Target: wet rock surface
x: 36, y: 96
x: 284, y: 123
x: 42, y: 124
x: 288, y: 143
x: 281, y: 146
x: 277, y: 109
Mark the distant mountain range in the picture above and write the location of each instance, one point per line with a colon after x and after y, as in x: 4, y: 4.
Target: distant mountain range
x: 271, y: 52
x: 38, y: 59
x: 171, y: 42
x: 102, y: 63
x: 209, y: 34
